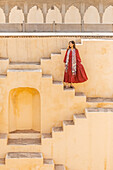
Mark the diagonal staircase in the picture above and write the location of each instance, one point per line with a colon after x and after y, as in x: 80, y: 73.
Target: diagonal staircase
x: 28, y: 159
x: 30, y: 144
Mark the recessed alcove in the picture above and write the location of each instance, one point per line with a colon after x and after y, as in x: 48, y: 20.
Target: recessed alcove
x: 24, y: 109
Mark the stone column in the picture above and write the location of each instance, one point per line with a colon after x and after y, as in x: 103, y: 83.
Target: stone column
x: 101, y: 18
x: 63, y: 13
x: 82, y: 11
x: 44, y: 9
x: 25, y: 12
x: 6, y: 10
x: 101, y: 11
x: 82, y: 22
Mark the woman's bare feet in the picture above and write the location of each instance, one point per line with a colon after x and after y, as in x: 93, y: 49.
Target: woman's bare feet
x: 66, y: 86
x: 71, y: 86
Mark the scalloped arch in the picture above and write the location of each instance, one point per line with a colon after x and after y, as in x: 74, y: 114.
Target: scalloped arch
x: 108, y: 12
x: 72, y: 11
x: 16, y: 16
x: 2, y: 16
x: 37, y: 15
x: 54, y: 15
x: 91, y: 15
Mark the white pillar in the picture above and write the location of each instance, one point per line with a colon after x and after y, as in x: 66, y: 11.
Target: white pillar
x: 44, y: 11
x: 82, y: 11
x: 6, y: 12
x: 63, y: 13
x: 25, y: 12
x: 101, y: 9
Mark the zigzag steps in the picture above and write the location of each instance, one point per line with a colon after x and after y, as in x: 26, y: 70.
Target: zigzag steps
x: 17, y: 141
x: 28, y: 159
x: 77, y: 118
x: 65, y: 123
x: 5, y: 64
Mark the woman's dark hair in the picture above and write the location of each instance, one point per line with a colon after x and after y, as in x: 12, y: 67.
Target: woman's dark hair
x: 73, y: 42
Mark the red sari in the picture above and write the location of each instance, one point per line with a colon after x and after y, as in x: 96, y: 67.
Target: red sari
x: 80, y: 71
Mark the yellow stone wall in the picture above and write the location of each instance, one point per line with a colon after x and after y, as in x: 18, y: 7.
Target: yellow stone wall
x: 30, y: 98
x: 96, y: 56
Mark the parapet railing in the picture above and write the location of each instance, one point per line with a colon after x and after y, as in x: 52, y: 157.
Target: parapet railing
x: 54, y: 27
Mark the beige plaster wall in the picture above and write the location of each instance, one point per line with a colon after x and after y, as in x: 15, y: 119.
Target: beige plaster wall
x: 77, y: 146
x: 96, y: 56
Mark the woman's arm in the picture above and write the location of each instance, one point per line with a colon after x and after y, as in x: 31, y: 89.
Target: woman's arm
x: 65, y: 57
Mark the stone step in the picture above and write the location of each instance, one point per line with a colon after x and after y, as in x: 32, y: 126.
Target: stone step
x: 57, y: 82
x: 3, y: 136
x: 46, y: 135
x: 24, y: 65
x: 58, y: 53
x: 14, y: 159
x: 48, y: 161
x: 99, y: 109
x: 24, y: 134
x: 69, y: 89
x: 48, y: 164
x: 95, y: 102
x: 45, y: 58
x: 57, y: 129
x: 2, y: 58
x: 3, y: 76
x: 23, y: 141
x: 24, y: 155
x: 55, y: 55
x: 59, y: 167
x: 46, y: 76
x: 2, y: 161
x: 79, y: 94
x: 23, y: 159
x: 58, y: 85
x: 24, y: 70
x: 79, y: 117
x: 99, y: 99
x: 68, y: 122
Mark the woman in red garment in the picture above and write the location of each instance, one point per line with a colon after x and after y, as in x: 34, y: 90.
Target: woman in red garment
x: 74, y: 70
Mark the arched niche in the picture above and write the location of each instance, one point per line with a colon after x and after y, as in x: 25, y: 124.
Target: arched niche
x: 108, y: 15
x: 91, y: 16
x: 53, y: 15
x: 2, y: 16
x: 72, y: 15
x: 24, y: 109
x: 35, y: 15
x: 16, y: 15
